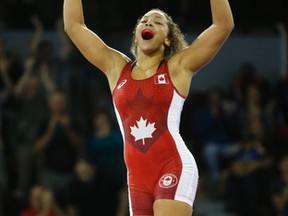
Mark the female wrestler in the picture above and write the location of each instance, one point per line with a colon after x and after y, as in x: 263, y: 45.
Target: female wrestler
x: 148, y: 96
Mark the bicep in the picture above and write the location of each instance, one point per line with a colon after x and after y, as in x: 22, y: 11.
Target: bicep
x: 204, y: 48
x: 94, y: 49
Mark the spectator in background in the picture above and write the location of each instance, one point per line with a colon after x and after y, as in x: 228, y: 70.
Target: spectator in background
x: 41, y: 203
x: 15, y: 92
x: 30, y: 110
x: 96, y: 191
x: 60, y: 144
x: 261, y: 118
x: 104, y: 149
x: 11, y: 69
x: 14, y: 75
x: 264, y: 119
x: 215, y: 126
x: 246, y: 188
x: 46, y: 63
x: 66, y: 44
x: 246, y: 77
x: 104, y: 145
x: 27, y: 108
x: 275, y: 127
x: 251, y: 113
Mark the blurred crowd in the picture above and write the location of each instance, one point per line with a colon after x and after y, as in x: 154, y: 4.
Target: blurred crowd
x: 240, y: 138
x: 61, y: 151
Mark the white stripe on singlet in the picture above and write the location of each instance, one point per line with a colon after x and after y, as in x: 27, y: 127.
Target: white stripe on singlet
x: 188, y: 182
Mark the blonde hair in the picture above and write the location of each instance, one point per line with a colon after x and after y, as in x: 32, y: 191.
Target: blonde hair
x: 175, y: 35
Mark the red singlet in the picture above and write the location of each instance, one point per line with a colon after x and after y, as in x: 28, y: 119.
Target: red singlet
x: 159, y: 164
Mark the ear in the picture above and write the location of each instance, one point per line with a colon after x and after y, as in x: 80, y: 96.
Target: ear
x: 167, y: 42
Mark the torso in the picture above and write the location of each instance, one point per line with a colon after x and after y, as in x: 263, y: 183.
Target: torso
x: 148, y: 113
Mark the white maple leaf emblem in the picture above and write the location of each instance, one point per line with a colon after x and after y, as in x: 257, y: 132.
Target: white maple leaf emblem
x: 143, y: 130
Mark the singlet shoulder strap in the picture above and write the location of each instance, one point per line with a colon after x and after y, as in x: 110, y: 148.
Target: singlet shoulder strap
x: 126, y: 69
x: 160, y: 64
x: 162, y: 67
x: 133, y: 64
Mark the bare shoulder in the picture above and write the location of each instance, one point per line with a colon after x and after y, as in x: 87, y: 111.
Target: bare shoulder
x: 177, y: 64
x: 180, y: 75
x: 119, y: 62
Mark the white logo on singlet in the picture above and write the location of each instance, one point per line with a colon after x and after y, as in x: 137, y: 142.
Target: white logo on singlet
x: 168, y: 181
x: 142, y: 130
x: 121, y: 84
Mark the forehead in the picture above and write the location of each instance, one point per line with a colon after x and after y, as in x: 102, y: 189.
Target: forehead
x: 155, y: 14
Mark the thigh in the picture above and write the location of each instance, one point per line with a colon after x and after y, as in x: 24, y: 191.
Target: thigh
x: 165, y: 207
x: 140, y: 203
x: 179, y: 183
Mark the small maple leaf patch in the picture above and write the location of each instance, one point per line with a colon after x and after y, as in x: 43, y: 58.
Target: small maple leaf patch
x: 143, y: 130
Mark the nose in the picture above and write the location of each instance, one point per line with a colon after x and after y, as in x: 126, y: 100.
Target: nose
x: 148, y: 23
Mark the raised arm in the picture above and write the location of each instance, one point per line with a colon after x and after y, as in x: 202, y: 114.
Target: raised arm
x: 90, y: 45
x: 206, y: 45
x: 37, y: 36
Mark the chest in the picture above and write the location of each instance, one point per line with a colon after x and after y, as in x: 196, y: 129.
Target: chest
x: 155, y: 91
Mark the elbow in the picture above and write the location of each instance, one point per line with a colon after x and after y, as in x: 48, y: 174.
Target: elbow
x: 231, y: 26
x: 225, y: 26
x: 68, y: 28
x: 71, y: 28
x: 228, y: 28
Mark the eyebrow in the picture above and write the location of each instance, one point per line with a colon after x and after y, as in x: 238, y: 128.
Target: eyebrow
x: 157, y: 16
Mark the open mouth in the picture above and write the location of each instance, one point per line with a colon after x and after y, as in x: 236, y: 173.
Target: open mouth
x: 147, y: 34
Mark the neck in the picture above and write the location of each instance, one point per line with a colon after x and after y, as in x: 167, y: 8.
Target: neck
x: 148, y: 60
x: 148, y: 63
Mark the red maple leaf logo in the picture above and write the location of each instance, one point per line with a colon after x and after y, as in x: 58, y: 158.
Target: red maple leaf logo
x: 142, y: 134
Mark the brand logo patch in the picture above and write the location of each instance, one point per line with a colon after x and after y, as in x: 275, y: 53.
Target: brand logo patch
x: 168, y: 181
x: 121, y: 84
